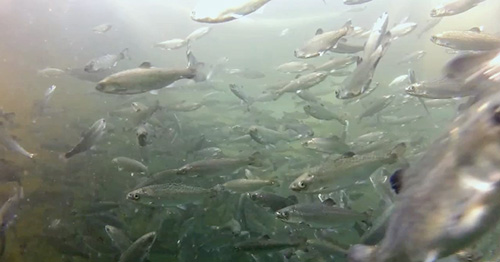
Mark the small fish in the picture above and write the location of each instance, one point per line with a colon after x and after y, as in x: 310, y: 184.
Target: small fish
x: 170, y: 194
x: 322, y: 42
x: 377, y: 106
x: 8, y: 213
x: 139, y: 250
x: 248, y: 185
x: 50, y: 72
x: 303, y: 82
x: 11, y: 144
x: 102, y: 28
x: 400, y: 80
x: 88, y: 139
x: 307, y: 96
x: 198, y: 33
x: 328, y: 145
x: 229, y: 14
x: 454, y: 7
x: 402, y: 29
x: 337, y: 63
x: 266, y: 136
x: 245, y: 73
x: 142, y: 113
x: 119, y: 239
x: 238, y: 92
x: 130, y: 165
x: 319, y: 215
x: 355, y: 2
x: 172, y: 44
x: 272, y: 201
x: 399, y: 120
x: 467, y: 40
x: 147, y: 78
x: 302, y: 129
x: 344, y: 47
x: 211, y: 166
x: 412, y: 57
x: 320, y: 112
x: 105, y: 62
x: 266, y: 244
x: 294, y: 67
x: 344, y: 171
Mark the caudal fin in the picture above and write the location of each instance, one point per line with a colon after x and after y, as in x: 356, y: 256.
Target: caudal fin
x: 196, y: 66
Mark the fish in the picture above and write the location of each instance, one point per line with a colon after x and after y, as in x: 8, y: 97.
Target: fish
x: 102, y: 28
x: 142, y: 135
x: 147, y: 78
x: 320, y: 112
x: 210, y: 166
x: 139, y: 250
x: 120, y: 240
x: 344, y: 172
x: 8, y: 213
x: 429, y: 24
x: 299, y: 127
x: 95, y: 208
x: 412, y: 57
x: 228, y: 14
x: 88, y: 139
x: 11, y: 144
x: 441, y: 88
x: 337, y: 63
x: 183, y: 106
x: 328, y: 145
x: 303, y: 82
x: 399, y: 120
x: 198, y: 33
x: 238, y: 92
x: 294, y: 67
x: 359, y: 81
x: 50, y: 72
x: 266, y: 244
x: 344, y: 47
x: 105, y: 62
x: 266, y: 136
x: 172, y: 44
x: 245, y: 73
x: 319, y: 215
x: 402, y: 29
x: 467, y: 40
x: 400, y: 80
x: 170, y: 194
x: 129, y: 165
x: 454, y: 7
x: 355, y: 2
x: 272, y: 201
x: 244, y: 185
x: 307, y: 96
x: 377, y: 106
x: 322, y: 42
x: 449, y: 198
x: 142, y: 113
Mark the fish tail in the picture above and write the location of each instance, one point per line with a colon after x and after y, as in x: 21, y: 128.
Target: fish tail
x: 195, y: 66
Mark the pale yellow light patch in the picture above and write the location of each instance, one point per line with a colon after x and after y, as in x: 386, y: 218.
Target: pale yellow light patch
x: 472, y: 182
x: 473, y: 216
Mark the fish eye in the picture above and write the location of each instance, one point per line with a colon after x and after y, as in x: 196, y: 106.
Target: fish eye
x: 282, y: 214
x: 302, y: 185
x: 496, y: 114
x: 253, y: 196
x: 135, y: 196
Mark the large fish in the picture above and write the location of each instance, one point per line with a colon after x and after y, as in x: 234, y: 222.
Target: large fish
x: 454, y: 7
x: 232, y: 12
x: 322, y: 42
x: 147, y: 78
x: 467, y: 40
x: 450, y: 197
x: 11, y: 144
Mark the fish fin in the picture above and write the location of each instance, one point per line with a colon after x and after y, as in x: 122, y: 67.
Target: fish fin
x: 196, y: 66
x: 477, y: 29
x: 396, y: 180
x: 329, y: 202
x: 319, y: 31
x: 349, y: 27
x: 124, y: 54
x: 421, y: 100
x: 265, y: 237
x: 145, y: 65
x: 411, y: 76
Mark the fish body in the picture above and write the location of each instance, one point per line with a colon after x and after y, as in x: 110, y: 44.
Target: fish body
x: 198, y: 33
x: 266, y: 136
x: 430, y: 23
x: 337, y: 63
x: 322, y: 42
x: 11, y: 144
x: 102, y: 28
x: 402, y: 29
x: 229, y: 14
x: 412, y: 57
x: 120, y: 240
x: 399, y: 80
x: 294, y: 67
x: 248, y: 185
x: 318, y: 215
x: 454, y: 7
x: 89, y: 138
x: 318, y: 111
x: 355, y: 2
x: 209, y: 166
x: 105, y: 62
x: 272, y: 201
x: 129, y: 165
x: 467, y: 40
x: 377, y: 106
x: 172, y: 44
x: 344, y: 171
x: 328, y: 145
x: 170, y: 194
x: 303, y: 82
x: 450, y: 197
x: 344, y: 47
x: 50, y: 72
x: 139, y: 250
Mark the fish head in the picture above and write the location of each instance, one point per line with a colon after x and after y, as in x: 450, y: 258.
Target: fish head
x: 302, y: 183
x: 439, y: 40
x: 415, y: 89
x: 110, y: 230
x: 283, y: 214
x: 344, y: 94
x: 107, y: 87
x: 135, y: 195
x: 254, y: 196
x: 89, y: 67
x: 299, y: 53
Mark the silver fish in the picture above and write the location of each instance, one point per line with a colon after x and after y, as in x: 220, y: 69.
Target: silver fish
x: 431, y: 23
x: 344, y: 47
x: 337, y: 63
x: 170, y: 194
x: 328, y: 145
x: 322, y: 42
x: 8, y: 213
x: 454, y: 7
x: 294, y: 67
x: 377, y: 106
x: 244, y: 185
x: 303, y: 82
x: 147, y: 78
x: 129, y: 165
x: 266, y: 136
x: 198, y: 33
x: 318, y: 111
x: 89, y: 138
x: 9, y: 143
x: 467, y: 40
x: 120, y: 240
x: 172, y: 44
x: 402, y: 29
x: 228, y: 14
x: 139, y: 250
x: 102, y: 28
x: 105, y: 62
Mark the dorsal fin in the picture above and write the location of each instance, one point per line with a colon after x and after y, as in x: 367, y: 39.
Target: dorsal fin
x: 145, y: 65
x: 319, y: 31
x: 348, y: 154
x: 329, y: 202
x: 476, y: 29
x: 265, y: 237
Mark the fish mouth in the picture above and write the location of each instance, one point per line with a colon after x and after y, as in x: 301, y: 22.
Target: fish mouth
x: 100, y: 87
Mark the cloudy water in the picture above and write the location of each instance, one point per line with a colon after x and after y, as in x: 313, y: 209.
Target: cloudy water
x: 249, y: 130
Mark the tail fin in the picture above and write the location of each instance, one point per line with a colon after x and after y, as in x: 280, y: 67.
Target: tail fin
x: 124, y: 54
x: 196, y: 66
x: 348, y: 26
